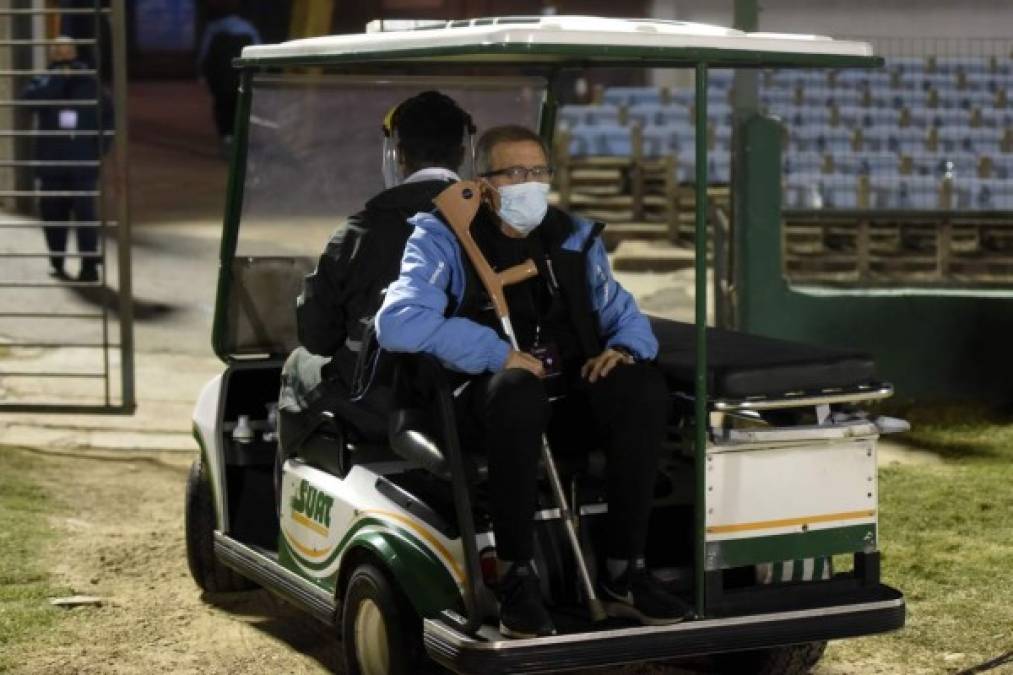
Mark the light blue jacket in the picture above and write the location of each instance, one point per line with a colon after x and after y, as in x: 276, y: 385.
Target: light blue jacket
x: 413, y: 316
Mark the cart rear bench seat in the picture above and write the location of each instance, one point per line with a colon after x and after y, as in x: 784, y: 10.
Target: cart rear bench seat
x: 742, y: 366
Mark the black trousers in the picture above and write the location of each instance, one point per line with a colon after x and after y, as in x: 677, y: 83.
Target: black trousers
x: 65, y: 209
x: 624, y: 413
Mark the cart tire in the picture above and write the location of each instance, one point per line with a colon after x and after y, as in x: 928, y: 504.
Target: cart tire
x: 380, y: 631
x: 199, y: 515
x: 793, y: 660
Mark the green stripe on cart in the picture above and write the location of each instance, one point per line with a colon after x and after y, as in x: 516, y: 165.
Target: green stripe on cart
x: 794, y: 546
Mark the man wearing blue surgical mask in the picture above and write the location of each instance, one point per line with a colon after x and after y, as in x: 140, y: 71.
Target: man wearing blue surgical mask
x: 580, y: 334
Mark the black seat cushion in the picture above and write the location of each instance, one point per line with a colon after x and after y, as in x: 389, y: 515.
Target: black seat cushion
x: 740, y: 365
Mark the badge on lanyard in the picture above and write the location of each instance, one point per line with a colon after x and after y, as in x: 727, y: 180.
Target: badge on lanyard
x: 68, y: 119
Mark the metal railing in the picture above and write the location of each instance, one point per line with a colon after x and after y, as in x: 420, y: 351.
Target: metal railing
x: 31, y: 306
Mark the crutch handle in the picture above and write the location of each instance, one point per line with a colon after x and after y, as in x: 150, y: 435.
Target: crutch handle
x: 459, y: 203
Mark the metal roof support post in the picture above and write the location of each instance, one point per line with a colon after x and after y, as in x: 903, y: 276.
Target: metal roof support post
x: 700, y: 390
x: 745, y: 104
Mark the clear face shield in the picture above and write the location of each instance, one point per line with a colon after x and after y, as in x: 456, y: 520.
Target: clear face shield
x: 392, y: 162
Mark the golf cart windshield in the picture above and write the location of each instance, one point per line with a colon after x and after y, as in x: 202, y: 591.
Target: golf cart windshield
x: 315, y: 148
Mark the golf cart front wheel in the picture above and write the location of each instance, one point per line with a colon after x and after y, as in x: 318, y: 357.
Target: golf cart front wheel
x: 793, y: 660
x: 379, y: 629
x: 199, y: 516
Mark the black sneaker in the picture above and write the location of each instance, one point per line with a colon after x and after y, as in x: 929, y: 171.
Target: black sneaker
x: 521, y: 611
x: 636, y: 594
x: 58, y: 273
x: 89, y: 273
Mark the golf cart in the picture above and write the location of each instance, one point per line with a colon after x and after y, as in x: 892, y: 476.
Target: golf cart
x: 378, y: 524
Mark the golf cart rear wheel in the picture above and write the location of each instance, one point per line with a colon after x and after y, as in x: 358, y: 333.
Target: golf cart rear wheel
x: 380, y: 631
x: 199, y: 515
x: 793, y: 660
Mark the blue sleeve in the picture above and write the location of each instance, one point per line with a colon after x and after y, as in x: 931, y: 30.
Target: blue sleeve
x: 620, y: 320
x: 412, y: 316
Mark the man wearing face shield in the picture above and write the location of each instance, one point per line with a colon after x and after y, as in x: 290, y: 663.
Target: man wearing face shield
x: 579, y: 332
x: 425, y: 141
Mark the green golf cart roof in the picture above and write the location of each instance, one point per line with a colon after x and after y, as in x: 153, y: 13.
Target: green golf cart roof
x: 562, y: 42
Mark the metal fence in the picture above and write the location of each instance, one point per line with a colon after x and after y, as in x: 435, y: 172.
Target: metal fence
x: 67, y: 327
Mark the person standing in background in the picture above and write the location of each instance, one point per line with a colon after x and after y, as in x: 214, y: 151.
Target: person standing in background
x: 65, y: 145
x: 224, y: 38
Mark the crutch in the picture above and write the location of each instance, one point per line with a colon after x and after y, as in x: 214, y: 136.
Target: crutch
x: 459, y: 203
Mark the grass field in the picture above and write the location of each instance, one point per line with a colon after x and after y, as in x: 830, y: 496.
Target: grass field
x: 24, y: 532
x: 947, y: 541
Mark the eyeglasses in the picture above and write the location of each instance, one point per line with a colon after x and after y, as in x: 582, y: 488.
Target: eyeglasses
x: 520, y: 174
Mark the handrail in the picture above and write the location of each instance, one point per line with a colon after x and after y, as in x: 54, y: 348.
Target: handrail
x: 430, y: 371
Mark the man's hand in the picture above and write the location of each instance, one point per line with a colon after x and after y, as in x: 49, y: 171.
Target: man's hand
x: 526, y: 362
x: 602, y: 365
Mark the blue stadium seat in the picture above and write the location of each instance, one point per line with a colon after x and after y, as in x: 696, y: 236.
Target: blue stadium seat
x: 988, y: 82
x: 850, y: 115
x: 838, y: 97
x: 949, y: 117
x: 834, y: 139
x: 991, y: 194
x: 911, y: 99
x: 938, y: 164
x: 631, y: 95
x: 613, y: 140
x: 876, y: 138
x: 680, y: 136
x: 984, y: 140
x: 846, y: 165
x: 1002, y: 166
x: 582, y: 141
x: 802, y: 163
x: 804, y: 137
x: 777, y: 97
x: 658, y: 141
x: 572, y: 115
x: 803, y: 192
x: 719, y: 168
x: 878, y: 164
x: 906, y: 64
x: 906, y: 140
x: 643, y: 113
x: 997, y: 117
x: 603, y: 114
x: 918, y: 193
x: 683, y: 96
x: 966, y: 99
x: 964, y: 64
x: 839, y: 191
x: 879, y: 117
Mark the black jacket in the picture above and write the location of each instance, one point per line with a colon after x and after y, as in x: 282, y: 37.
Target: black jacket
x: 567, y: 269
x: 361, y: 259
x: 62, y: 87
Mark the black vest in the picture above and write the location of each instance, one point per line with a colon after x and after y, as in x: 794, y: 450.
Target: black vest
x: 569, y: 268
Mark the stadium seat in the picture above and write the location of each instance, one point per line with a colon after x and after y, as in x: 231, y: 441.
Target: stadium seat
x: 962, y: 64
x: 906, y: 140
x: 834, y: 140
x: 802, y: 163
x: 631, y: 95
x: 991, y: 194
x: 997, y: 117
x: 949, y: 117
x: 839, y: 191
x: 582, y: 141
x: 878, y: 164
x: 803, y: 192
x: 876, y: 138
x: 612, y: 140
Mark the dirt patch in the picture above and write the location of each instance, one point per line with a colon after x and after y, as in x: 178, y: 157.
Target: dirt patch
x: 122, y: 540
